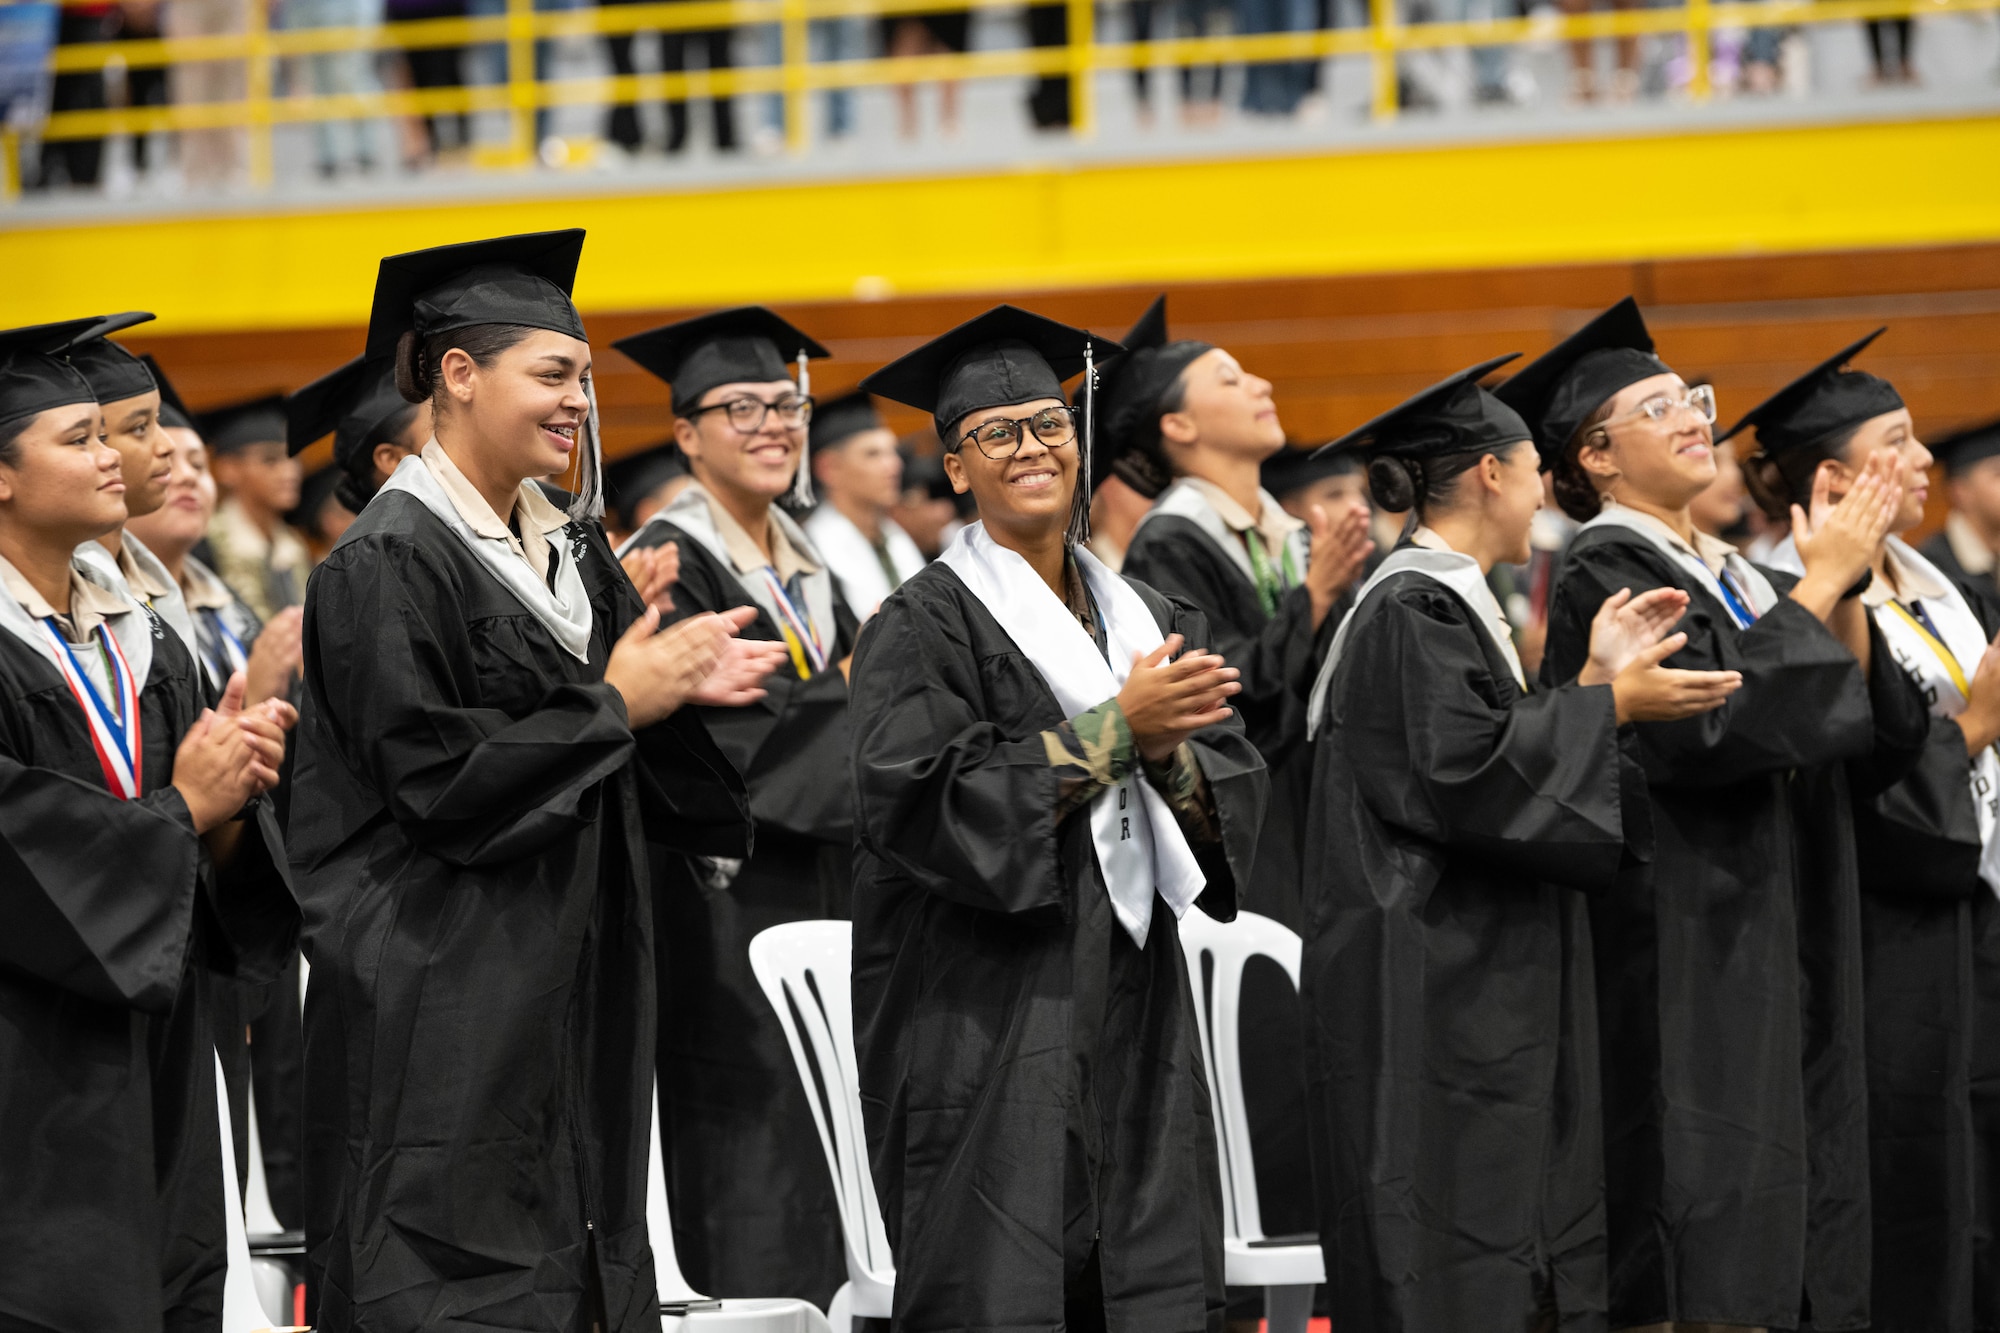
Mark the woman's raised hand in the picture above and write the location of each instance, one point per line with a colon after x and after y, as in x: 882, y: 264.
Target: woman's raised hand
x: 698, y: 660
x: 1837, y: 540
x: 1645, y: 691
x: 738, y: 678
x: 1340, y: 547
x: 1167, y: 699
x: 230, y: 755
x: 1626, y: 626
x: 274, y: 656
x: 654, y: 570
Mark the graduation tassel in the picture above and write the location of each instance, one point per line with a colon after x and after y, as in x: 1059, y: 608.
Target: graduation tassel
x: 588, y: 506
x: 1079, y: 511
x: 802, y: 480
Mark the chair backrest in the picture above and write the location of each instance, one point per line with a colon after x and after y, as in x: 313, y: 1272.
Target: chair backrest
x: 1217, y: 999
x: 666, y: 1264
x: 242, y: 1312
x: 804, y: 968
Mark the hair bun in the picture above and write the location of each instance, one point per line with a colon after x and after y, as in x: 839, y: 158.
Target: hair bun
x: 413, y: 380
x: 1395, y: 482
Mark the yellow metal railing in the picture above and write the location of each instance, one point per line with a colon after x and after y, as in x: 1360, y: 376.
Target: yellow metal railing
x: 796, y: 76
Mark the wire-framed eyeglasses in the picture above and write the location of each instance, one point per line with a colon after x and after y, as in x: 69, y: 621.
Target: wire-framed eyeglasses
x: 1699, y: 400
x: 1001, y: 437
x: 747, y: 414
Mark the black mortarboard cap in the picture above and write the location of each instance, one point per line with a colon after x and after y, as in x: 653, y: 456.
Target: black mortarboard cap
x: 1453, y: 416
x: 114, y: 373
x: 1820, y: 405
x: 173, y: 411
x: 1559, y: 389
x: 506, y: 280
x: 630, y: 479
x: 1002, y: 358
x: 32, y: 378
x: 841, y: 419
x: 748, y: 343
x: 239, y: 425
x: 1961, y: 449
x: 1132, y: 387
x: 1292, y: 469
x: 354, y: 402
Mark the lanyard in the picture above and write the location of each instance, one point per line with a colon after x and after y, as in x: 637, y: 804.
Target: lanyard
x: 808, y: 653
x: 1927, y: 632
x: 1270, y: 587
x: 232, y: 647
x: 1733, y: 597
x: 116, y: 739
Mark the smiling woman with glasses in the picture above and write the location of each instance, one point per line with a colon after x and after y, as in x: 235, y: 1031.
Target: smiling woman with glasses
x: 1045, y: 782
x: 1728, y: 970
x: 753, y: 1207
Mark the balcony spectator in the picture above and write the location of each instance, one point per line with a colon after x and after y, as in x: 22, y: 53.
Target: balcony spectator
x: 209, y: 158
x: 1201, y: 85
x: 1048, y: 103
x: 342, y: 144
x: 1275, y: 88
x: 714, y: 43
x: 78, y: 161
x: 1624, y: 85
x: 843, y: 39
x: 927, y: 35
x: 145, y: 85
x: 1889, y: 45
x: 424, y: 67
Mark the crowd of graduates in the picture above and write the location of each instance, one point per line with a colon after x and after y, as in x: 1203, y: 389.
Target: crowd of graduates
x: 1640, y: 842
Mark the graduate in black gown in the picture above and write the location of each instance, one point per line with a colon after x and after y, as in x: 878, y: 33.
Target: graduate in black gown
x: 112, y: 775
x: 1930, y: 867
x: 374, y: 427
x: 493, y: 735
x: 753, y: 1204
x: 1045, y: 783
x: 1457, y: 820
x: 1728, y: 969
x: 1965, y: 550
x: 1183, y: 420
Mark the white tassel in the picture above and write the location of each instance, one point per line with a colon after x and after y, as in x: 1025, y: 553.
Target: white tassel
x: 1079, y: 517
x: 588, y: 506
x: 802, y: 480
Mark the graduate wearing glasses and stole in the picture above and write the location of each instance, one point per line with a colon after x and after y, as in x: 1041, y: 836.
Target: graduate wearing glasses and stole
x: 1048, y: 775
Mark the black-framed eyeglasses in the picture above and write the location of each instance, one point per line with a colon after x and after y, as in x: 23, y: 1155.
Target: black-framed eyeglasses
x: 1001, y: 438
x: 747, y: 414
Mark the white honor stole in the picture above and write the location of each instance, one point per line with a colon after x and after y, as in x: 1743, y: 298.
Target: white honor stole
x: 1461, y: 574
x: 1942, y: 665
x: 1140, y: 849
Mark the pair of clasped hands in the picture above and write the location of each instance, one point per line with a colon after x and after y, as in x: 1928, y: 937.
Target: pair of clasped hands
x: 231, y: 755
x: 700, y: 660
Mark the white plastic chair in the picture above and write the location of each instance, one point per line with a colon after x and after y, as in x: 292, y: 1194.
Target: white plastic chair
x: 1287, y: 1272
x: 249, y: 1292
x: 804, y: 967
x: 685, y: 1310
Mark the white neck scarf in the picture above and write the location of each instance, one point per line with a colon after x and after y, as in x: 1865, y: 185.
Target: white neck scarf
x: 1140, y: 848
x: 134, y: 630
x: 690, y: 513
x: 564, y: 611
x: 171, y: 607
x: 1461, y: 574
x: 1959, y: 634
x: 1744, y: 574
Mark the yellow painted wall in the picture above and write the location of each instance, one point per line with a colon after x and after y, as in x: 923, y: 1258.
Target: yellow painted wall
x: 1722, y: 192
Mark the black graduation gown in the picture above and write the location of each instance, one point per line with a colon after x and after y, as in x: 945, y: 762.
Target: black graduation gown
x: 1451, y: 1016
x: 754, y: 1209
x: 467, y: 835
x: 1982, y: 589
x: 1278, y: 655
x: 1930, y: 934
x: 111, y: 1197
x: 1025, y: 1071
x: 1728, y: 970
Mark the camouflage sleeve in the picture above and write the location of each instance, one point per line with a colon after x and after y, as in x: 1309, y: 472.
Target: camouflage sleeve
x: 1180, y: 782
x: 1089, y: 752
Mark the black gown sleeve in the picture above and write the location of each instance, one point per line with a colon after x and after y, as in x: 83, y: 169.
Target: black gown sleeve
x: 1803, y: 700
x: 1539, y: 784
x: 788, y: 743
x: 470, y: 785
x: 250, y: 917
x: 1234, y: 772
x: 98, y: 894
x: 1276, y: 661
x: 940, y: 794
